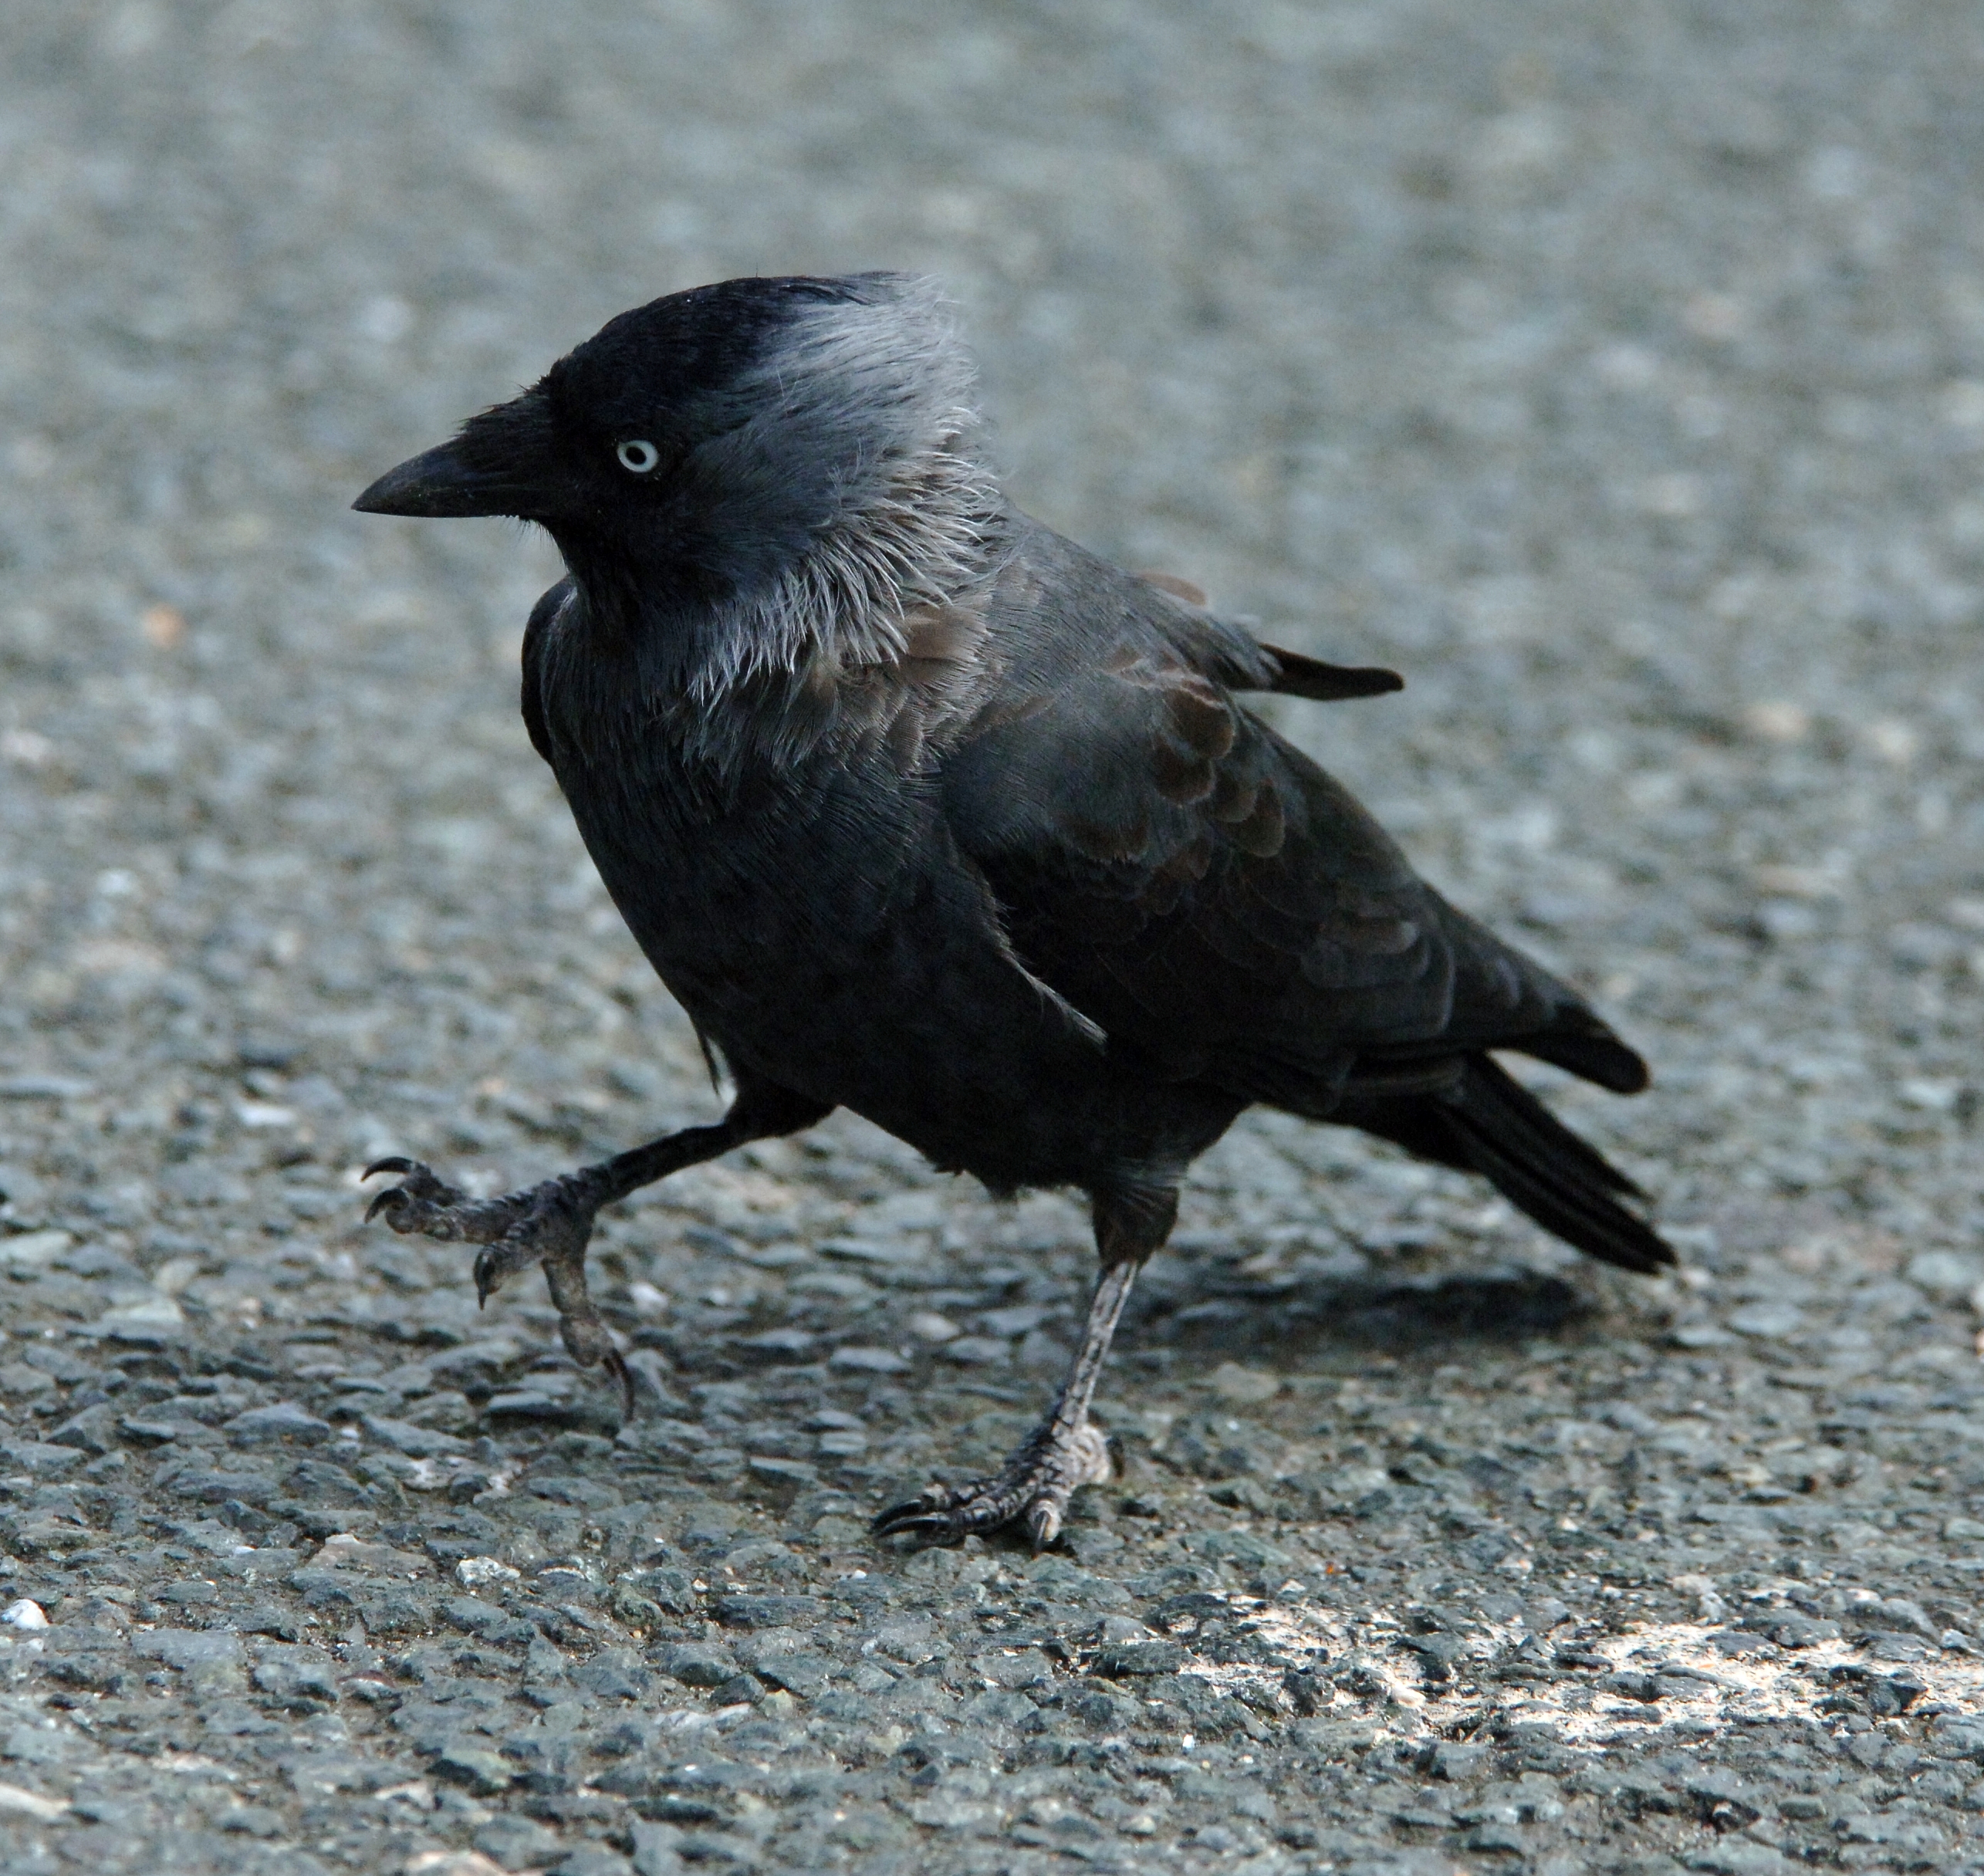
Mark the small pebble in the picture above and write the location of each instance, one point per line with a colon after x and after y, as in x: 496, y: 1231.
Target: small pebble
x: 473, y: 1572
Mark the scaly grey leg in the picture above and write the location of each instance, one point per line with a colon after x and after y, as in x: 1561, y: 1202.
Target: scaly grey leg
x: 1066, y: 1450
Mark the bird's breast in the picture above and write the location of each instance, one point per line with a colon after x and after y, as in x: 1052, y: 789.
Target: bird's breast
x: 741, y: 886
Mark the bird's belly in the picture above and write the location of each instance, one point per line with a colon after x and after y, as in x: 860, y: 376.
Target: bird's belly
x: 896, y: 1006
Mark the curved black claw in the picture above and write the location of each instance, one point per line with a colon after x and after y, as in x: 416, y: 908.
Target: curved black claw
x: 615, y: 1364
x: 1035, y: 1489
x: 933, y: 1512
x: 422, y: 1201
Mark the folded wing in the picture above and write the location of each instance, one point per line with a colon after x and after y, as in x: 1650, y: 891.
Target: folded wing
x: 1226, y: 912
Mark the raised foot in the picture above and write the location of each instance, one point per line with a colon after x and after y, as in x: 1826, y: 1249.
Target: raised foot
x: 1033, y: 1489
x: 549, y: 1224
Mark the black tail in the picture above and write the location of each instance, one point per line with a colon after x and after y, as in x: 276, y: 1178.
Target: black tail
x: 1490, y: 1124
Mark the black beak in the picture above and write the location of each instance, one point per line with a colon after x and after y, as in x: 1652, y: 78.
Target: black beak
x: 500, y: 464
x: 438, y: 482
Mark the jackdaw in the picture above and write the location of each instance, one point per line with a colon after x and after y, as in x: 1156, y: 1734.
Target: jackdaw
x: 920, y: 810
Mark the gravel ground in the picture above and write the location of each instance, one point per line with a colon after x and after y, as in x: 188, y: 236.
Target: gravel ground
x: 1617, y: 373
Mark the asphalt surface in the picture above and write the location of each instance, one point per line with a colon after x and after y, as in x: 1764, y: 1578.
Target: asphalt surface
x: 1616, y: 374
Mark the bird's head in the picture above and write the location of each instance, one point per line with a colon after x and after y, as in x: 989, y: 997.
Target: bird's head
x: 719, y: 447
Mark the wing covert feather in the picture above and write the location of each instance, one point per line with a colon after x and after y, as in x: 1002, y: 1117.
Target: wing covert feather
x: 1194, y: 883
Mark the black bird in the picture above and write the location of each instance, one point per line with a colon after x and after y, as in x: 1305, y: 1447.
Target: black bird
x: 921, y: 809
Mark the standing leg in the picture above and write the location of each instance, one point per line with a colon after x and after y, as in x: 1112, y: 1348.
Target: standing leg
x: 551, y: 1224
x: 1066, y: 1450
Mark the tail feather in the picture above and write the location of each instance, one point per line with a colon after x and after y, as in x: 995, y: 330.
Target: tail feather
x: 1537, y: 1163
x: 1487, y: 1123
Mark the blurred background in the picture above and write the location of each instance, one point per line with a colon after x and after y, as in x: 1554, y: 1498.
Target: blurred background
x: 1617, y: 372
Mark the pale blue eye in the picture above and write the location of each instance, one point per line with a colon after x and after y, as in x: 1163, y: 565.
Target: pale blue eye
x: 638, y: 457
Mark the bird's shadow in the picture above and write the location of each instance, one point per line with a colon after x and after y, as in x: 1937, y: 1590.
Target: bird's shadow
x: 1204, y: 1309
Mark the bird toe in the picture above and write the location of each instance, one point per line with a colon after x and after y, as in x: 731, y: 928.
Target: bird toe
x: 422, y: 1201
x: 936, y: 1512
